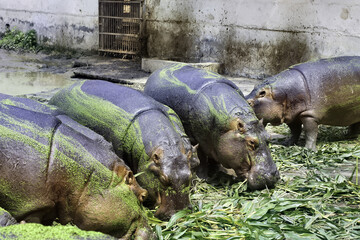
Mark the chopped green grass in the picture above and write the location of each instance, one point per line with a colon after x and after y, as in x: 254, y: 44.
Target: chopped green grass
x: 316, y: 198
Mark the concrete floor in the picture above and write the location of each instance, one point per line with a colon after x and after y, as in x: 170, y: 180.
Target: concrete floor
x: 42, y: 75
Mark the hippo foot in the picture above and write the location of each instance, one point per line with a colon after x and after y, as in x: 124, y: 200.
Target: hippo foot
x: 6, y: 219
x: 289, y: 142
x: 353, y: 131
x: 311, y: 147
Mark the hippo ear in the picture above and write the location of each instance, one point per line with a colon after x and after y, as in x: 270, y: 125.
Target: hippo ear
x: 124, y: 173
x: 261, y: 121
x: 193, y: 157
x: 264, y: 92
x: 157, y: 155
x: 129, y: 178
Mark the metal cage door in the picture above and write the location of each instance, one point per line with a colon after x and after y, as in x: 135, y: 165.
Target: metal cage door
x: 120, y: 26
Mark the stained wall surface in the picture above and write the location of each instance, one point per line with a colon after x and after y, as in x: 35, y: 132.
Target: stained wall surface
x: 66, y: 23
x: 252, y: 38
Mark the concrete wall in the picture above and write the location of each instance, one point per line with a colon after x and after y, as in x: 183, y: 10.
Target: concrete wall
x: 252, y: 38
x: 67, y: 23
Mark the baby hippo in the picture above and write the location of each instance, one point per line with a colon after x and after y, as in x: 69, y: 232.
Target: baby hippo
x: 321, y: 92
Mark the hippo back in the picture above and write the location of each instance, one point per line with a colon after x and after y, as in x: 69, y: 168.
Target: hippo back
x: 114, y: 113
x: 331, y: 82
x: 199, y: 97
x: 46, y: 151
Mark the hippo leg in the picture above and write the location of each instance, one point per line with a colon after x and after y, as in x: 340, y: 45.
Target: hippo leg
x: 311, y: 132
x: 354, y: 130
x: 6, y: 219
x: 295, y: 128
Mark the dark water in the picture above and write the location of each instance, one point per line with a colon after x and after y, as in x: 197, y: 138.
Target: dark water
x: 15, y: 83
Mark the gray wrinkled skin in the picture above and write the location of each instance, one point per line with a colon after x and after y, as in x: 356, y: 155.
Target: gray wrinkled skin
x: 216, y: 116
x: 308, y: 94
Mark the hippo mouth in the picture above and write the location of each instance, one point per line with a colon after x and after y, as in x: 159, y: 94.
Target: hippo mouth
x: 169, y: 204
x: 243, y: 172
x: 258, y: 176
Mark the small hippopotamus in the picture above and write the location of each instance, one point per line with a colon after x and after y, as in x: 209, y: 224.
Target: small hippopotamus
x: 147, y: 134
x: 53, y: 168
x: 217, y: 117
x: 312, y: 93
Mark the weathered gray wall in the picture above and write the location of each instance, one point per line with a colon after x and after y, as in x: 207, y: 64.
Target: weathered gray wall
x: 66, y: 23
x: 252, y: 38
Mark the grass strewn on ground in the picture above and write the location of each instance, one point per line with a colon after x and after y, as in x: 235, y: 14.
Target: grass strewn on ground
x: 309, y: 202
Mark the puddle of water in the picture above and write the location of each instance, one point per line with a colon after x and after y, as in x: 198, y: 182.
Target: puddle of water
x: 16, y: 83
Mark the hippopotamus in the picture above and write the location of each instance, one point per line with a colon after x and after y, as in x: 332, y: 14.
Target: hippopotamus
x: 148, y: 135
x: 312, y: 93
x: 217, y: 117
x: 53, y: 168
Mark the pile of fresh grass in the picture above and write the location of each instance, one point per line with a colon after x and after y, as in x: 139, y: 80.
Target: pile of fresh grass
x: 309, y: 202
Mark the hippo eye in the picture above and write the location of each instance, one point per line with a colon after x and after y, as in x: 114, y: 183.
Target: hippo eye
x: 262, y: 93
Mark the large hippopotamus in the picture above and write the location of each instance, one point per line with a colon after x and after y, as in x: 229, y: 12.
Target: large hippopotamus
x: 312, y: 93
x: 148, y: 135
x: 217, y: 117
x: 52, y: 168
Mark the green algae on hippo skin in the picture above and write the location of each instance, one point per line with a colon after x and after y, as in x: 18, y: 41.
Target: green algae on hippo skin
x: 80, y: 164
x: 71, y: 181
x: 31, y: 231
x: 145, y: 133
x: 27, y: 128
x: 168, y: 74
x: 13, y: 199
x: 104, y: 115
x: 9, y: 134
x: 217, y: 117
x: 97, y: 112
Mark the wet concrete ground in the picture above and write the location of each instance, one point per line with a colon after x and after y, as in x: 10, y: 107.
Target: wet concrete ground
x: 42, y: 75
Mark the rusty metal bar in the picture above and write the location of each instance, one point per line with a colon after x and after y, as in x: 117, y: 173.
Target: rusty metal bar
x: 120, y: 34
x: 120, y: 26
x: 127, y: 2
x: 112, y: 17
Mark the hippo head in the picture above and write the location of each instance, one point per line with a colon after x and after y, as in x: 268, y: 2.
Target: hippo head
x: 113, y: 210
x: 244, y: 148
x: 267, y: 105
x: 173, y: 169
